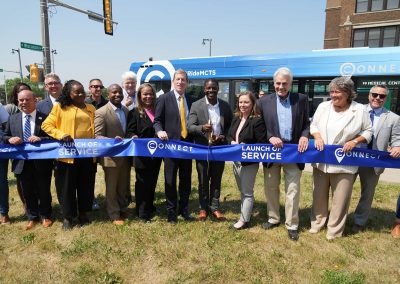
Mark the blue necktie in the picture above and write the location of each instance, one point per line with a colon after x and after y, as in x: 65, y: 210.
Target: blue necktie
x: 27, y: 127
x: 371, y: 116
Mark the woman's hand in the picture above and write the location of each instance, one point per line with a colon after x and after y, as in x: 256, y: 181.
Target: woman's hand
x: 67, y: 138
x: 319, y: 144
x: 349, y: 145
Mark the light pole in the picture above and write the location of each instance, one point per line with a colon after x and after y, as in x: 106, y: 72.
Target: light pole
x: 53, y: 52
x: 19, y: 57
x: 209, y: 40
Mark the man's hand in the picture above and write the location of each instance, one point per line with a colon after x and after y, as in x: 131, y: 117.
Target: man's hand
x: 303, y: 144
x: 395, y: 152
x: 15, y: 141
x: 276, y: 142
x: 34, y: 139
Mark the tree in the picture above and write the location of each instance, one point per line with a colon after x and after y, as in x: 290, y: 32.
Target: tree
x: 37, y: 88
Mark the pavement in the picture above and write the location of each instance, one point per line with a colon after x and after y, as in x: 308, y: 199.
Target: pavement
x: 389, y: 175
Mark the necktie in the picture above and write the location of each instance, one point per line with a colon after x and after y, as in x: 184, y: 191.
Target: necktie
x: 182, y: 114
x: 27, y: 127
x: 371, y: 116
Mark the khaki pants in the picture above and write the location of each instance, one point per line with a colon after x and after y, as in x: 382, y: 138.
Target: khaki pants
x: 272, y: 180
x: 341, y: 185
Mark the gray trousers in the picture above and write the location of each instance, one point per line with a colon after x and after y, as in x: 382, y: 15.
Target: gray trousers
x: 369, y: 179
x: 245, y: 178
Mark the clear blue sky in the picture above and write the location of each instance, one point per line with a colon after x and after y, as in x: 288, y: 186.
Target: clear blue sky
x: 159, y: 28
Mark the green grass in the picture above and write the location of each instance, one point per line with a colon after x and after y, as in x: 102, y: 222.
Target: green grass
x: 208, y: 252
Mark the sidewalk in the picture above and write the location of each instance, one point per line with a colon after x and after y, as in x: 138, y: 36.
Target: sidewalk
x: 389, y: 175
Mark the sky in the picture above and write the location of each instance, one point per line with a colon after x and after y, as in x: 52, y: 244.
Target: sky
x: 160, y: 29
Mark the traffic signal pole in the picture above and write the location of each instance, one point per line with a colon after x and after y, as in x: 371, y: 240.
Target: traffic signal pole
x: 45, y: 36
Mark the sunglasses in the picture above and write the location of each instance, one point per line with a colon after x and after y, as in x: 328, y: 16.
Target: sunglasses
x: 381, y: 96
x: 97, y: 87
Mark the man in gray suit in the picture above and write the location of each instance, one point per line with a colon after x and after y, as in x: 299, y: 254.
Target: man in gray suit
x: 209, y: 122
x: 110, y: 122
x: 386, y: 129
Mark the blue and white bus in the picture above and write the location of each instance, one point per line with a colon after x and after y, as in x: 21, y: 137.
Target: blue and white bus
x: 312, y: 72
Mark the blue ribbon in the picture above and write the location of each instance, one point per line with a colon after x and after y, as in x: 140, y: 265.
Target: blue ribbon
x: 86, y: 148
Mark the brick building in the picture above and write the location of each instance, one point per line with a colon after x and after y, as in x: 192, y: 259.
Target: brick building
x: 359, y: 23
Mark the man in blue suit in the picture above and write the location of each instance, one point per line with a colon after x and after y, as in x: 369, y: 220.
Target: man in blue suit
x: 34, y: 176
x: 170, y: 122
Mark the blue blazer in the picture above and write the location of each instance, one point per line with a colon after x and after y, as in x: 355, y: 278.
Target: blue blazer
x: 45, y: 106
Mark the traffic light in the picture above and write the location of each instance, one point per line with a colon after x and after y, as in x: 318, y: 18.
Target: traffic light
x: 34, y: 73
x: 108, y: 25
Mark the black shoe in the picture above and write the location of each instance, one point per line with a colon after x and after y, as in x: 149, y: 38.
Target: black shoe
x: 187, y: 216
x: 269, y: 226
x: 172, y: 218
x: 293, y: 235
x: 357, y: 228
x: 67, y: 225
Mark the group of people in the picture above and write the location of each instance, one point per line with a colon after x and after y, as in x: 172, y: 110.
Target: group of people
x: 279, y: 118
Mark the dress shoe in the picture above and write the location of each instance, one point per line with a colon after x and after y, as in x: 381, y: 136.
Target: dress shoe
x: 30, y: 225
x: 4, y: 219
x: 172, y: 218
x: 269, y: 226
x: 357, y: 228
x: 47, y: 223
x: 202, y: 215
x: 218, y: 215
x: 240, y: 226
x: 187, y: 216
x: 67, y: 225
x: 118, y: 222
x: 396, y: 231
x: 124, y: 215
x: 95, y: 205
x: 293, y: 235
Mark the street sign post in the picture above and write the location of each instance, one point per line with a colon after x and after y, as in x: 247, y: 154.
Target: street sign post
x: 31, y: 46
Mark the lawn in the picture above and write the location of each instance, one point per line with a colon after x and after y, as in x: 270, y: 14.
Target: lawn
x: 201, y: 252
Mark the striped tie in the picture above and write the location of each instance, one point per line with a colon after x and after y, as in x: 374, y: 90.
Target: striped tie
x: 27, y: 127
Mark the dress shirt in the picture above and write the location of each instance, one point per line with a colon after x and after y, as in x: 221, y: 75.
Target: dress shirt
x: 377, y: 115
x: 32, y: 120
x: 184, y: 101
x: 215, y: 117
x: 53, y: 99
x: 126, y: 95
x: 284, y: 111
x: 120, y: 114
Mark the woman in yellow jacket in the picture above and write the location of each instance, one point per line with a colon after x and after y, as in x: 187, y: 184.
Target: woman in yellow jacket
x: 71, y: 119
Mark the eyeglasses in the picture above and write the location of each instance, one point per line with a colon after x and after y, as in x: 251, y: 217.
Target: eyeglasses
x: 52, y: 83
x: 381, y: 96
x: 97, y: 87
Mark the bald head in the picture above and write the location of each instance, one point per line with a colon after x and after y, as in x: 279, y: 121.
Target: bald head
x: 115, y: 94
x: 27, y: 101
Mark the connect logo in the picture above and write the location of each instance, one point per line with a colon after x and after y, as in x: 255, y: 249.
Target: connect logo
x: 156, y: 69
x: 347, y: 69
x: 152, y: 146
x: 339, y: 154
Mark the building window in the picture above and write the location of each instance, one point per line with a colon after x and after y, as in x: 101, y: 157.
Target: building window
x: 376, y: 5
x: 376, y: 37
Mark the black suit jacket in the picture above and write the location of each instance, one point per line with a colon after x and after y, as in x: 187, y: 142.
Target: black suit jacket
x: 300, y: 117
x: 252, y: 132
x: 45, y: 106
x: 140, y: 125
x: 199, y: 116
x: 167, y: 116
x: 14, y: 129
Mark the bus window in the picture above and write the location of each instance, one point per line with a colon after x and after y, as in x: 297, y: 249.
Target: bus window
x: 195, y: 89
x: 223, y: 93
x: 242, y: 86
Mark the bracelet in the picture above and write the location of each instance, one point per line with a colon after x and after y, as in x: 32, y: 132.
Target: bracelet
x: 355, y: 141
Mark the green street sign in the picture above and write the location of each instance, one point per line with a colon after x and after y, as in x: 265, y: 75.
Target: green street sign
x: 31, y: 46
x: 1, y: 70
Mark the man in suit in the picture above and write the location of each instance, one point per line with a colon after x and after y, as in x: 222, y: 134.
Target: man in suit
x: 96, y: 98
x: 209, y: 122
x: 170, y: 122
x: 286, y: 118
x: 53, y: 86
x: 386, y: 137
x: 34, y: 176
x: 110, y: 122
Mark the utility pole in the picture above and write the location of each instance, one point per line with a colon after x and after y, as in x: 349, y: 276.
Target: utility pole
x: 19, y: 57
x: 204, y: 43
x: 45, y: 36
